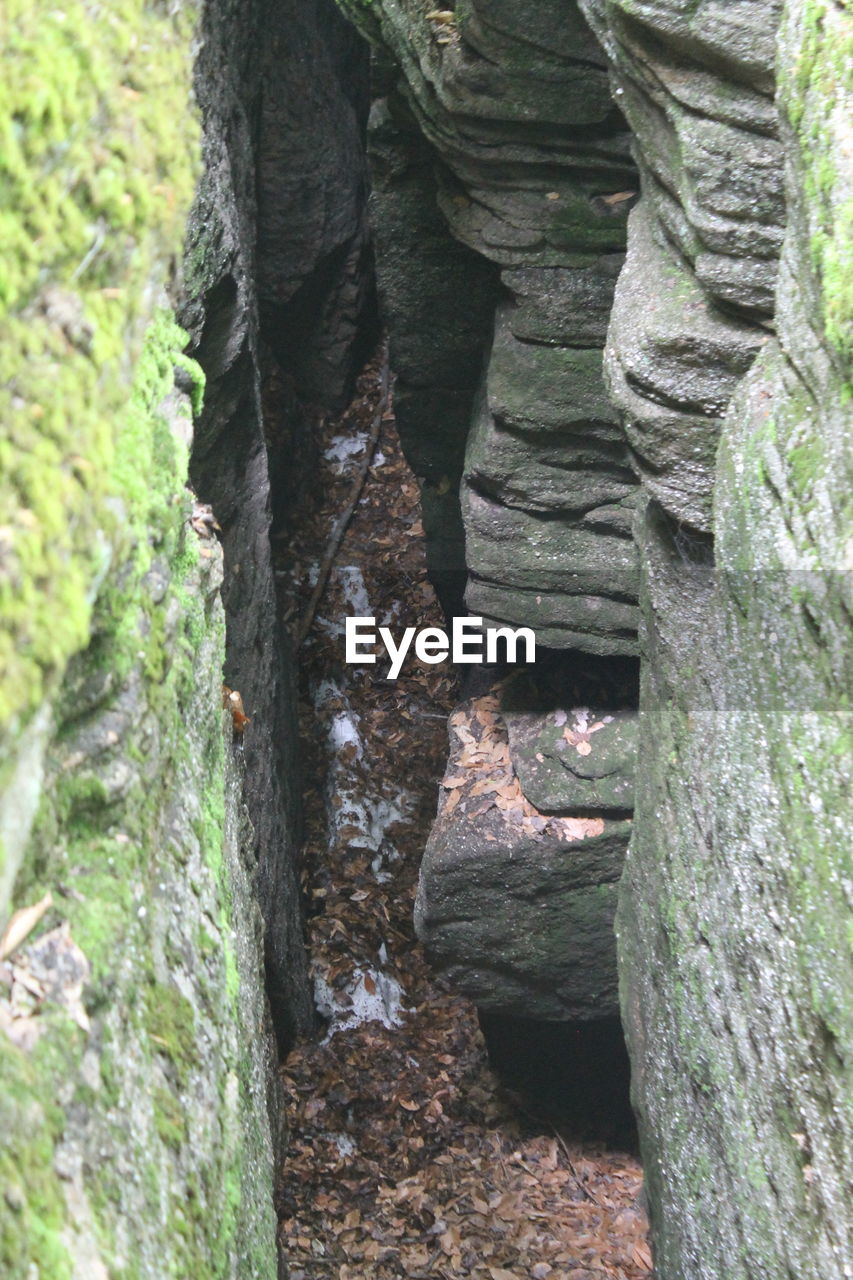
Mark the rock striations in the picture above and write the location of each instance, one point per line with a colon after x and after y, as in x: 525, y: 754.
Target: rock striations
x: 502, y: 130
x: 503, y: 178
x: 721, y: 431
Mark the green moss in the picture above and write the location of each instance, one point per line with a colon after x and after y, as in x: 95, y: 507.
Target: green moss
x: 170, y: 1024
x: 820, y: 80
x: 95, y: 181
x: 33, y: 1206
x: 98, y: 155
x: 169, y: 1118
x: 806, y: 462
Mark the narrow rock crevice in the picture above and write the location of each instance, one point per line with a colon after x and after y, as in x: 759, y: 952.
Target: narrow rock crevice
x: 265, y: 912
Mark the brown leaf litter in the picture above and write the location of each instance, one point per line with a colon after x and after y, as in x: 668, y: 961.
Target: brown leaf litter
x: 406, y: 1157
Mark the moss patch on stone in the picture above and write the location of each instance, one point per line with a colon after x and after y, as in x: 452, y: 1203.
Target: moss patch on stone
x: 95, y: 182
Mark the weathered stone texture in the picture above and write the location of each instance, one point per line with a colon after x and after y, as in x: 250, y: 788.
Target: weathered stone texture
x: 277, y: 270
x: 735, y: 971
x: 137, y: 1085
x: 527, y: 160
x: 730, y: 368
x: 134, y: 1094
x: 520, y: 914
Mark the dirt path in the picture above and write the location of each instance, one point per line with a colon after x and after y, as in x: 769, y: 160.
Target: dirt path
x: 406, y: 1158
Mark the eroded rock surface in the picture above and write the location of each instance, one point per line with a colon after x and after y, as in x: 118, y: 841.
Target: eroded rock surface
x: 278, y: 275
x: 523, y: 159
x: 725, y: 441
x: 517, y: 905
x: 734, y: 970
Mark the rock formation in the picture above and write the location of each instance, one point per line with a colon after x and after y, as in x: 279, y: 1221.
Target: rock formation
x: 278, y: 284
x: 735, y: 973
x: 520, y: 157
x: 148, y: 844
x: 502, y: 182
x: 613, y: 254
x: 721, y: 432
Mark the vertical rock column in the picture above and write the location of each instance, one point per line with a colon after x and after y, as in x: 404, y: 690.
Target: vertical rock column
x: 503, y: 179
x: 735, y: 975
x: 278, y: 274
x: 523, y: 161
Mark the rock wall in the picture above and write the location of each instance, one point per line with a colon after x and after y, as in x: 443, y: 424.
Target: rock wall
x: 523, y: 161
x: 728, y: 360
x: 734, y: 969
x: 279, y: 284
x: 134, y: 1054
x: 502, y: 182
x: 142, y: 838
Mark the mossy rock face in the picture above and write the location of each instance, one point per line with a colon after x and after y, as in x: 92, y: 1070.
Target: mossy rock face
x: 135, y: 1134
x: 138, y: 1130
x: 576, y: 761
x: 95, y: 186
x: 732, y: 924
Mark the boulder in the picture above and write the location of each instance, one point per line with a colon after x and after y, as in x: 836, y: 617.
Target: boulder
x: 578, y: 761
x: 516, y: 906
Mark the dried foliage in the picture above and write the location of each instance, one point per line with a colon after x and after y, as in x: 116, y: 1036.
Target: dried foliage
x: 406, y: 1156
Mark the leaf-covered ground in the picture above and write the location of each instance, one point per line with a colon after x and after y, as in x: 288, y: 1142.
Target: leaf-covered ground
x: 407, y: 1158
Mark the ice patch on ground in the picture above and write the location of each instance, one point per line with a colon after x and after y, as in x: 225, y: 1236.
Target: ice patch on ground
x: 343, y: 724
x: 354, y: 588
x: 342, y: 448
x: 346, y: 805
x: 343, y: 730
x: 355, y: 595
x: 381, y: 1000
x: 372, y: 816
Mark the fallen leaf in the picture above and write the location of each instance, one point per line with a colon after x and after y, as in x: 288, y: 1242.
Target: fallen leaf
x: 583, y: 748
x: 22, y: 924
x: 642, y: 1255
x: 233, y: 702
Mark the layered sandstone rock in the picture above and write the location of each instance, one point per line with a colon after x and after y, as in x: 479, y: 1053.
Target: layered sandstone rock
x: 731, y: 380
x: 524, y: 159
x: 516, y: 898
x: 502, y: 183
x: 733, y: 965
x: 518, y: 883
